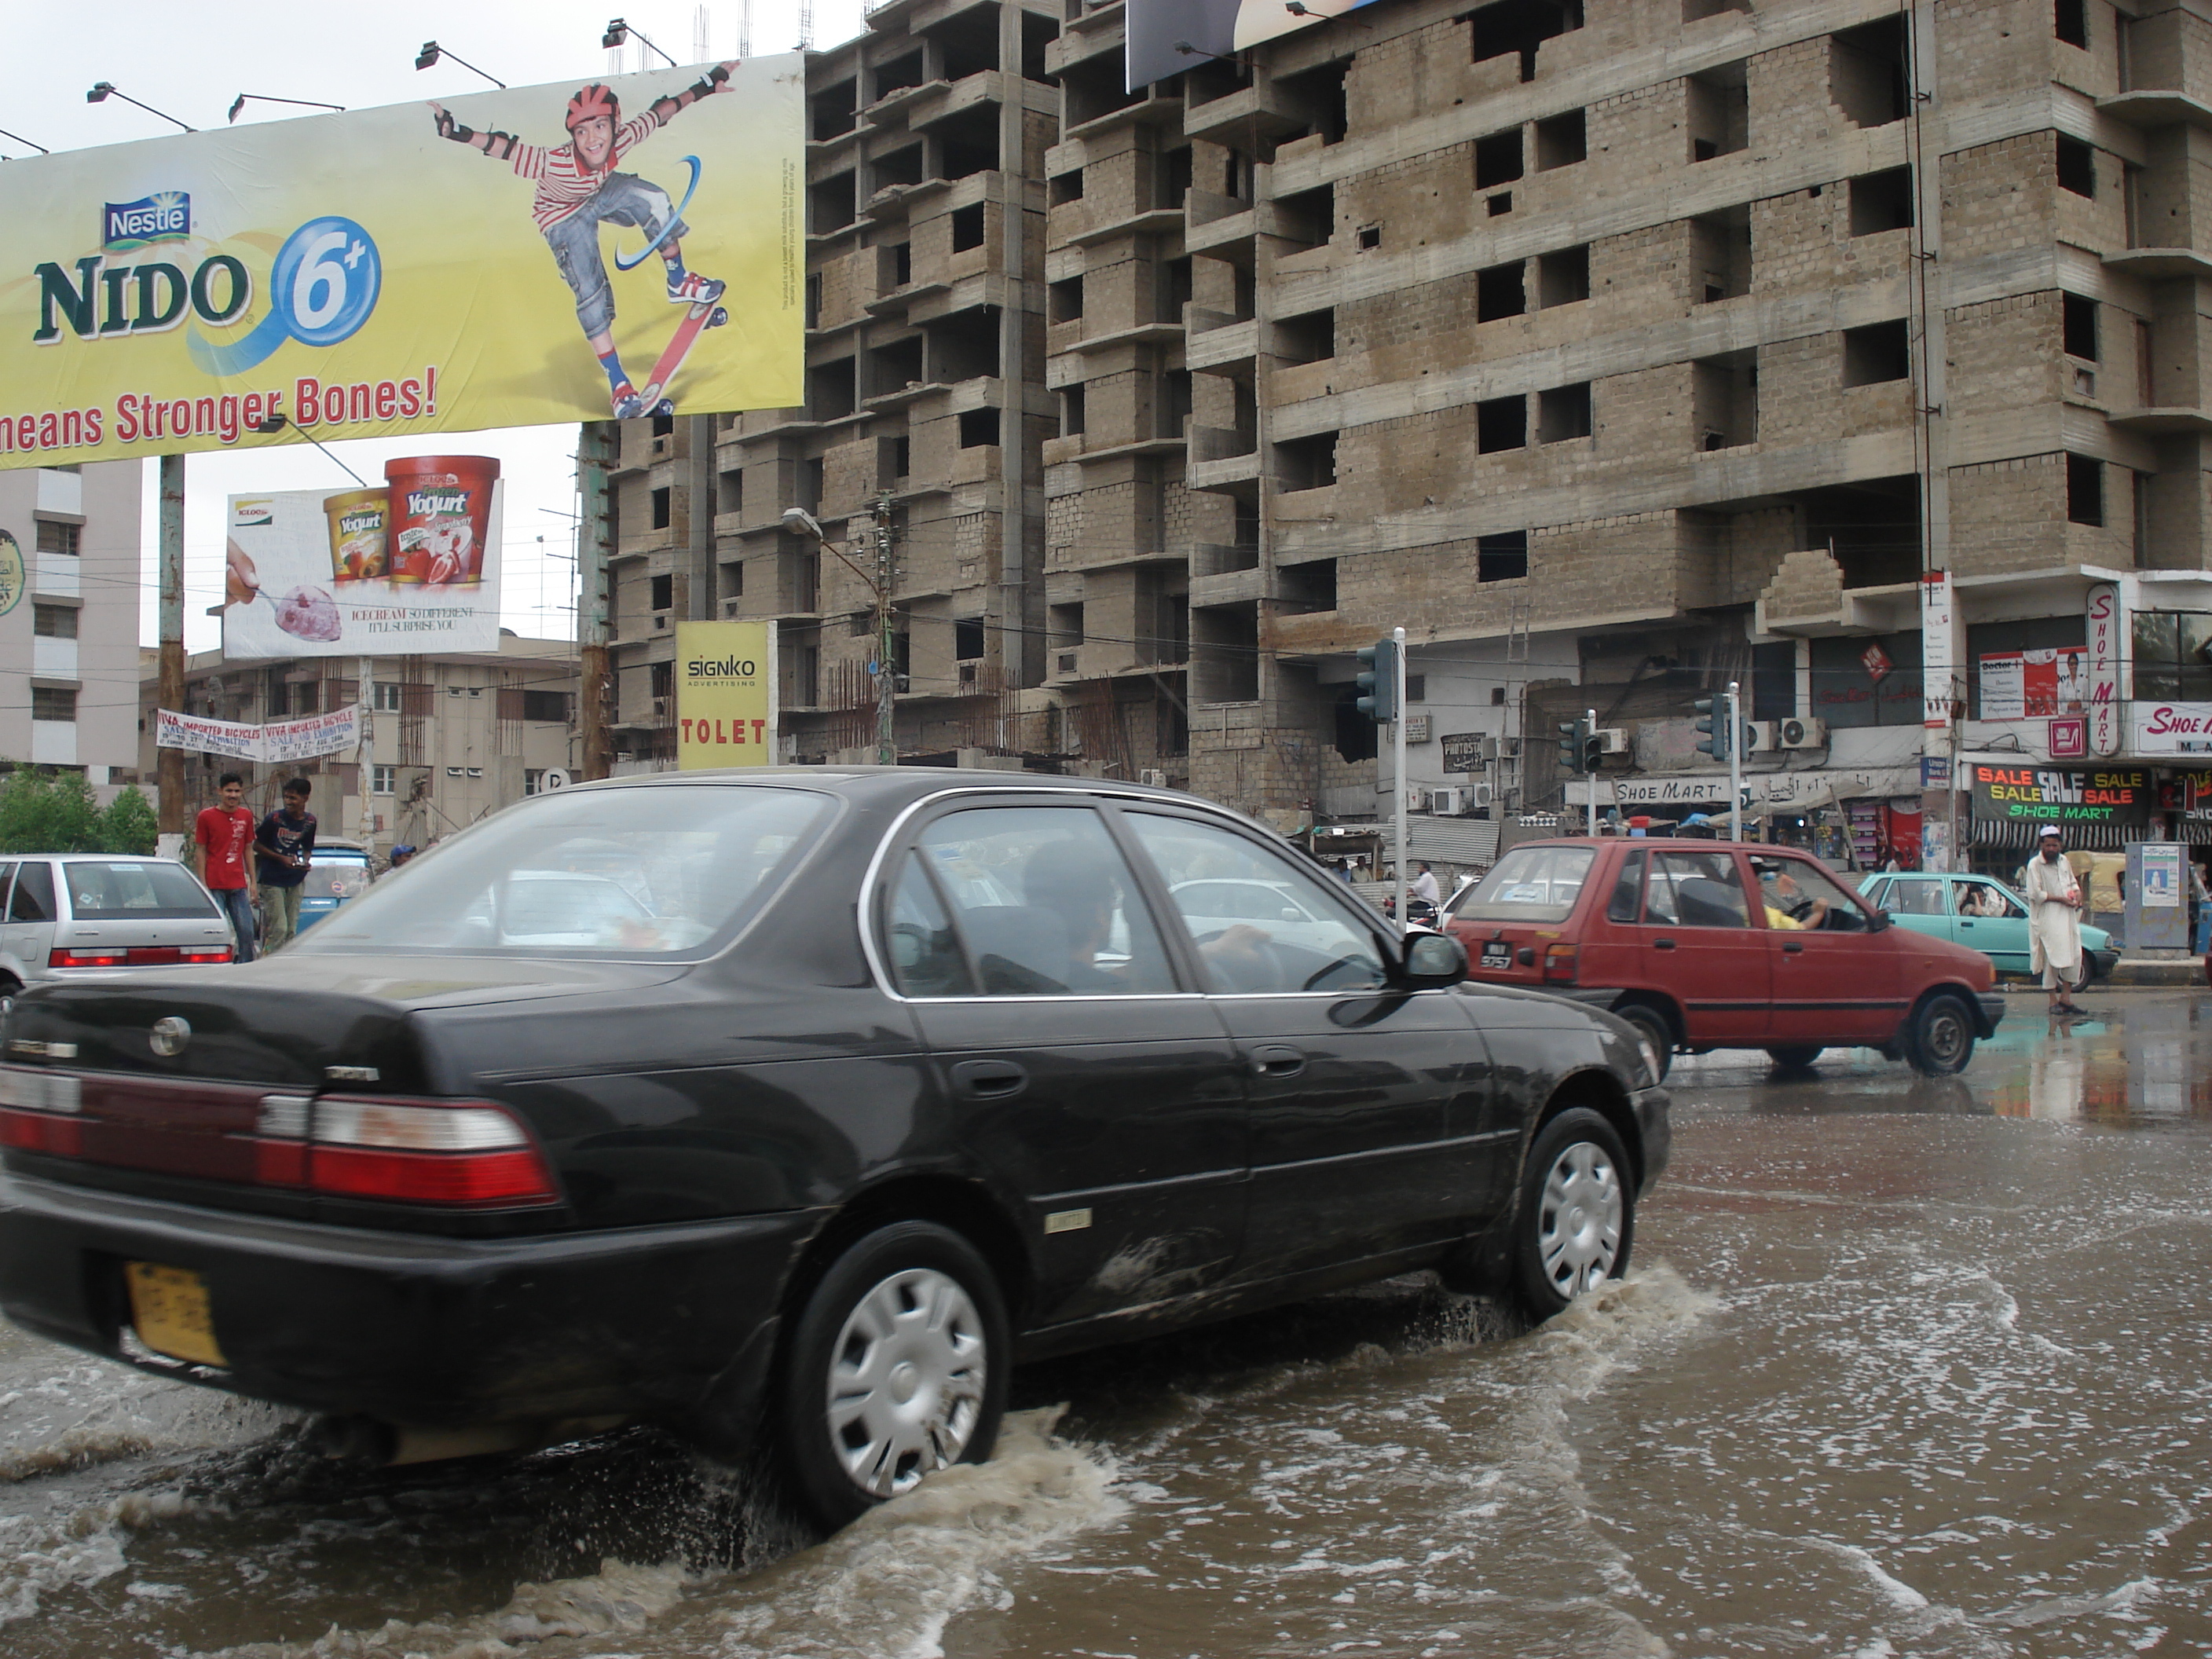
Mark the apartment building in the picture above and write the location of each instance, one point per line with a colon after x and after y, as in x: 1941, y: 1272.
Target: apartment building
x: 68, y: 619
x: 457, y: 735
x: 1614, y: 348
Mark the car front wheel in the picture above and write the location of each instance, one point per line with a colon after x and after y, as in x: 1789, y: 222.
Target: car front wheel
x: 896, y: 1369
x: 1577, y: 1217
x: 1940, y: 1038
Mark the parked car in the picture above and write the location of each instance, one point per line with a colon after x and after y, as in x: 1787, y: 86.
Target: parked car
x: 340, y: 871
x: 1667, y: 935
x: 1979, y: 913
x: 901, y: 1075
x: 66, y: 915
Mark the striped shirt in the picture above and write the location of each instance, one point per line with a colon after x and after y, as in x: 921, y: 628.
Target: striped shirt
x: 563, y: 183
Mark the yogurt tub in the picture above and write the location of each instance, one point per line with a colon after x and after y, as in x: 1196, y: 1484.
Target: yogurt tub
x: 359, y: 519
x: 441, y: 517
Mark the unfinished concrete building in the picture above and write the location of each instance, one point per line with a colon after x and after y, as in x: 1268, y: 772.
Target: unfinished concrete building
x: 1613, y: 348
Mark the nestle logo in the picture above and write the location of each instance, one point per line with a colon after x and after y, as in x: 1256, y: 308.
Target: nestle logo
x: 167, y: 217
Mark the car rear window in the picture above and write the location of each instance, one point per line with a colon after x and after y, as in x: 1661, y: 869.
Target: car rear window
x: 655, y: 872
x: 132, y: 889
x: 1529, y: 883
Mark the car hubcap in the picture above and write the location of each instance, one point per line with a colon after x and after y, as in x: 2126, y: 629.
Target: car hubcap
x: 1946, y: 1037
x: 906, y: 1381
x: 1578, y: 1224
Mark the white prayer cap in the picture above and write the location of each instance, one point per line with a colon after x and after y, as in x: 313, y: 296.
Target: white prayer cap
x: 2049, y: 830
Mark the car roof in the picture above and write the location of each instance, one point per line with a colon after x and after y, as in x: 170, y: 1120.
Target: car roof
x: 135, y: 858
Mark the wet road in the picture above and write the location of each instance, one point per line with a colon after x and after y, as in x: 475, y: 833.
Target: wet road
x: 1906, y: 1367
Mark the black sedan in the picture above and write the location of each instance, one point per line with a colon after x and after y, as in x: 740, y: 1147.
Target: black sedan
x: 792, y: 1108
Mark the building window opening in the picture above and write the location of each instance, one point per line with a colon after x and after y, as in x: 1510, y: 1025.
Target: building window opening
x: 1516, y: 28
x: 1501, y: 557
x: 1563, y: 278
x: 1881, y: 201
x: 1720, y: 255
x: 1500, y: 291
x: 1877, y: 353
x: 663, y: 593
x: 1561, y: 141
x: 1867, y: 73
x: 2085, y: 490
x: 1563, y: 413
x: 2079, y: 326
x: 979, y: 428
x: 660, y: 510
x: 1719, y: 114
x: 2077, y: 166
x: 967, y: 228
x: 1307, y: 463
x: 53, y: 621
x: 967, y: 639
x: 1501, y: 424
x: 1497, y: 159
x: 2070, y: 22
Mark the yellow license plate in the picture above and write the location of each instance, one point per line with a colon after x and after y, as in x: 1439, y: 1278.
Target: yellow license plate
x: 169, y: 1307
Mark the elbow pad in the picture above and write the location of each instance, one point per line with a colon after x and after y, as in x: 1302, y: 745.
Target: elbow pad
x: 500, y: 145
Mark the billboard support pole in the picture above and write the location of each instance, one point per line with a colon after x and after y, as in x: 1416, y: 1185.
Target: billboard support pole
x: 596, y: 454
x: 886, y: 667
x: 170, y: 763
x: 365, y: 702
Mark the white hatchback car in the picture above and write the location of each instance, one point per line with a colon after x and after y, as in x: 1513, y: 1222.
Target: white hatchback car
x: 63, y: 915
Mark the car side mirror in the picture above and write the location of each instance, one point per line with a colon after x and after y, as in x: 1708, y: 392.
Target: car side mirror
x: 1880, y: 922
x: 1432, y: 959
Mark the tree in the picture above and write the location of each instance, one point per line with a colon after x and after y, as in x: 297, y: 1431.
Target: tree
x: 57, y: 813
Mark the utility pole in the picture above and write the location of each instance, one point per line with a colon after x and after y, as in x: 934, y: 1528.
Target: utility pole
x: 1398, y: 759
x: 1590, y: 763
x: 364, y: 704
x: 169, y: 764
x: 886, y: 669
x: 1736, y: 762
x: 599, y: 447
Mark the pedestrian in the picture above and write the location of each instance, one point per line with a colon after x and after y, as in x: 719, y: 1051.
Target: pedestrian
x: 2200, y: 907
x: 283, y: 848
x: 400, y: 854
x: 1424, y: 884
x: 2054, y: 939
x: 221, y: 834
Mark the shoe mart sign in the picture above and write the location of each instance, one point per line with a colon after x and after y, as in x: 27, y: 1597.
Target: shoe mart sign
x: 2170, y: 728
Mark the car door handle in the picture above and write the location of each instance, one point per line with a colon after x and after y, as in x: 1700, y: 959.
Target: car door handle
x: 1791, y: 948
x: 1662, y: 944
x: 989, y: 1079
x: 1277, y: 1061
x: 1966, y: 924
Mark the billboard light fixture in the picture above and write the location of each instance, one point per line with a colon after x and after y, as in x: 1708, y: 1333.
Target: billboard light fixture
x: 103, y: 90
x: 246, y: 97
x: 619, y: 32
x: 275, y: 423
x: 433, y: 53
x: 20, y: 139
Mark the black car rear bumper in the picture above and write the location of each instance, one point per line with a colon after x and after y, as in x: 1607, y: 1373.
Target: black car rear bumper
x: 409, y: 1328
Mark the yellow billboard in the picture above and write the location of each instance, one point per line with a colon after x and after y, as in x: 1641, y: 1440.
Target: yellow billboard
x: 517, y: 258
x: 725, y: 695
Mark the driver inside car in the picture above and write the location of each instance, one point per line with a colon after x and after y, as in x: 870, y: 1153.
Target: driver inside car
x: 1788, y: 906
x: 1073, y: 882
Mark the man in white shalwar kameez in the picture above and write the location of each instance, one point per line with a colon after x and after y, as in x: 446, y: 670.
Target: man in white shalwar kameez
x: 2054, y: 920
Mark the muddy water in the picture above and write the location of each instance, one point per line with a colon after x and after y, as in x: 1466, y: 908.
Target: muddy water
x: 1905, y: 1368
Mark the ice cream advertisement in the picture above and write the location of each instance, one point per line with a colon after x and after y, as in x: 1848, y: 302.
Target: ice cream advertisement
x: 409, y: 566
x: 613, y: 247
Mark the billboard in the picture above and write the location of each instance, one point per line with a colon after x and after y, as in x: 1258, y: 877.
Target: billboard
x: 276, y: 742
x: 411, y: 566
x: 2024, y: 686
x: 1166, y: 37
x: 519, y: 257
x: 725, y: 695
x: 2043, y: 795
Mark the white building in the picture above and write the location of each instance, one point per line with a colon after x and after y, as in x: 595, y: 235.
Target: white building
x: 69, y: 634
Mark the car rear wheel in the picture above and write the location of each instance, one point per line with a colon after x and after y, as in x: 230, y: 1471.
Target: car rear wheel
x: 1797, y: 1057
x: 1657, y: 1030
x: 1941, y: 1040
x: 1576, y: 1218
x: 896, y: 1369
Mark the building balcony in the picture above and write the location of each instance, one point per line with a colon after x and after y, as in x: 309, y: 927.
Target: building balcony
x: 1139, y: 334
x: 1153, y: 107
x: 1073, y: 227
x: 2161, y: 262
x: 1228, y: 347
x: 941, y: 101
x: 1091, y: 33
x: 2157, y: 107
x: 1249, y: 115
x: 896, y: 201
x: 2162, y: 419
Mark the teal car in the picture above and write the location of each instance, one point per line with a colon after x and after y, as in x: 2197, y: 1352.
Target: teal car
x: 338, y: 872
x: 1978, y: 912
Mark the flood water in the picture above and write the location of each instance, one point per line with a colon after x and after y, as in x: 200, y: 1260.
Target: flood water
x: 1905, y: 1367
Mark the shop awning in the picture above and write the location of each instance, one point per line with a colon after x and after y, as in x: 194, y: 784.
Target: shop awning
x: 2021, y: 833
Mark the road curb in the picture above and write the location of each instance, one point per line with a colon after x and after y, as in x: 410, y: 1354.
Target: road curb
x: 2160, y: 971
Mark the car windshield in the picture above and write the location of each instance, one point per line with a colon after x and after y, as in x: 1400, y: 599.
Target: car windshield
x: 335, y: 878
x: 129, y: 889
x: 1529, y: 883
x: 656, y: 870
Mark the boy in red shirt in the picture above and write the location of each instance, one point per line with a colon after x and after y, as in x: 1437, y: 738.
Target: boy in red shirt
x: 222, y: 834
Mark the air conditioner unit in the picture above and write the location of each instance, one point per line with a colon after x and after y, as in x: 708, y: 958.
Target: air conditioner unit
x: 1801, y: 734
x: 1764, y: 734
x: 1477, y: 795
x: 1152, y: 779
x: 1445, y: 803
x: 1488, y: 748
x: 1612, y: 740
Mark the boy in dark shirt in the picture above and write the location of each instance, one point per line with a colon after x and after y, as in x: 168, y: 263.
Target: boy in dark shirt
x: 283, y: 848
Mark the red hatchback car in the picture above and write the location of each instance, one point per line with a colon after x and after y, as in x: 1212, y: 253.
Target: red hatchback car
x: 1724, y: 944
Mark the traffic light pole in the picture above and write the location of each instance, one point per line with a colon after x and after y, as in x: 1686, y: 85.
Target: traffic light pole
x: 1398, y: 764
x: 1735, y: 763
x: 1590, y: 728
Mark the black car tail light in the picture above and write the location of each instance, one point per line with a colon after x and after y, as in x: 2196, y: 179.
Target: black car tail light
x: 452, y: 1154
x: 1561, y: 963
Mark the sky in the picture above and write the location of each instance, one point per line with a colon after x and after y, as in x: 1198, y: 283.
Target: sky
x: 190, y: 61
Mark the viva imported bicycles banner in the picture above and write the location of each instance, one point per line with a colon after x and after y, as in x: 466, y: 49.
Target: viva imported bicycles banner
x: 526, y: 257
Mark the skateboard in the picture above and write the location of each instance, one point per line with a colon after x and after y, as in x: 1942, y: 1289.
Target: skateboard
x: 709, y: 314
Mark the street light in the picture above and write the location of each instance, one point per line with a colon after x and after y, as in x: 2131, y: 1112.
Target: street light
x: 20, y: 139
x: 618, y: 32
x: 103, y: 90
x: 432, y: 53
x: 246, y: 97
x: 800, y: 522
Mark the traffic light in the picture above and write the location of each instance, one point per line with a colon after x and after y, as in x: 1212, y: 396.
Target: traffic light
x: 1593, y: 750
x: 1713, y: 722
x: 1377, y: 680
x: 1573, y: 738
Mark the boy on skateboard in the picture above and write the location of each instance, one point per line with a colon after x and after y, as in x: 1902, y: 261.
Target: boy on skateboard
x: 577, y: 190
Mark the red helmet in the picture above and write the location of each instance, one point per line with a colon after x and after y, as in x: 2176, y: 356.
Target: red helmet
x: 592, y: 100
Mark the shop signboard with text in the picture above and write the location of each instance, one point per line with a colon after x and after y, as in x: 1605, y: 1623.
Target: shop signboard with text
x: 2104, y: 619
x: 533, y: 255
x: 2117, y: 795
x: 2169, y: 728
x: 725, y: 699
